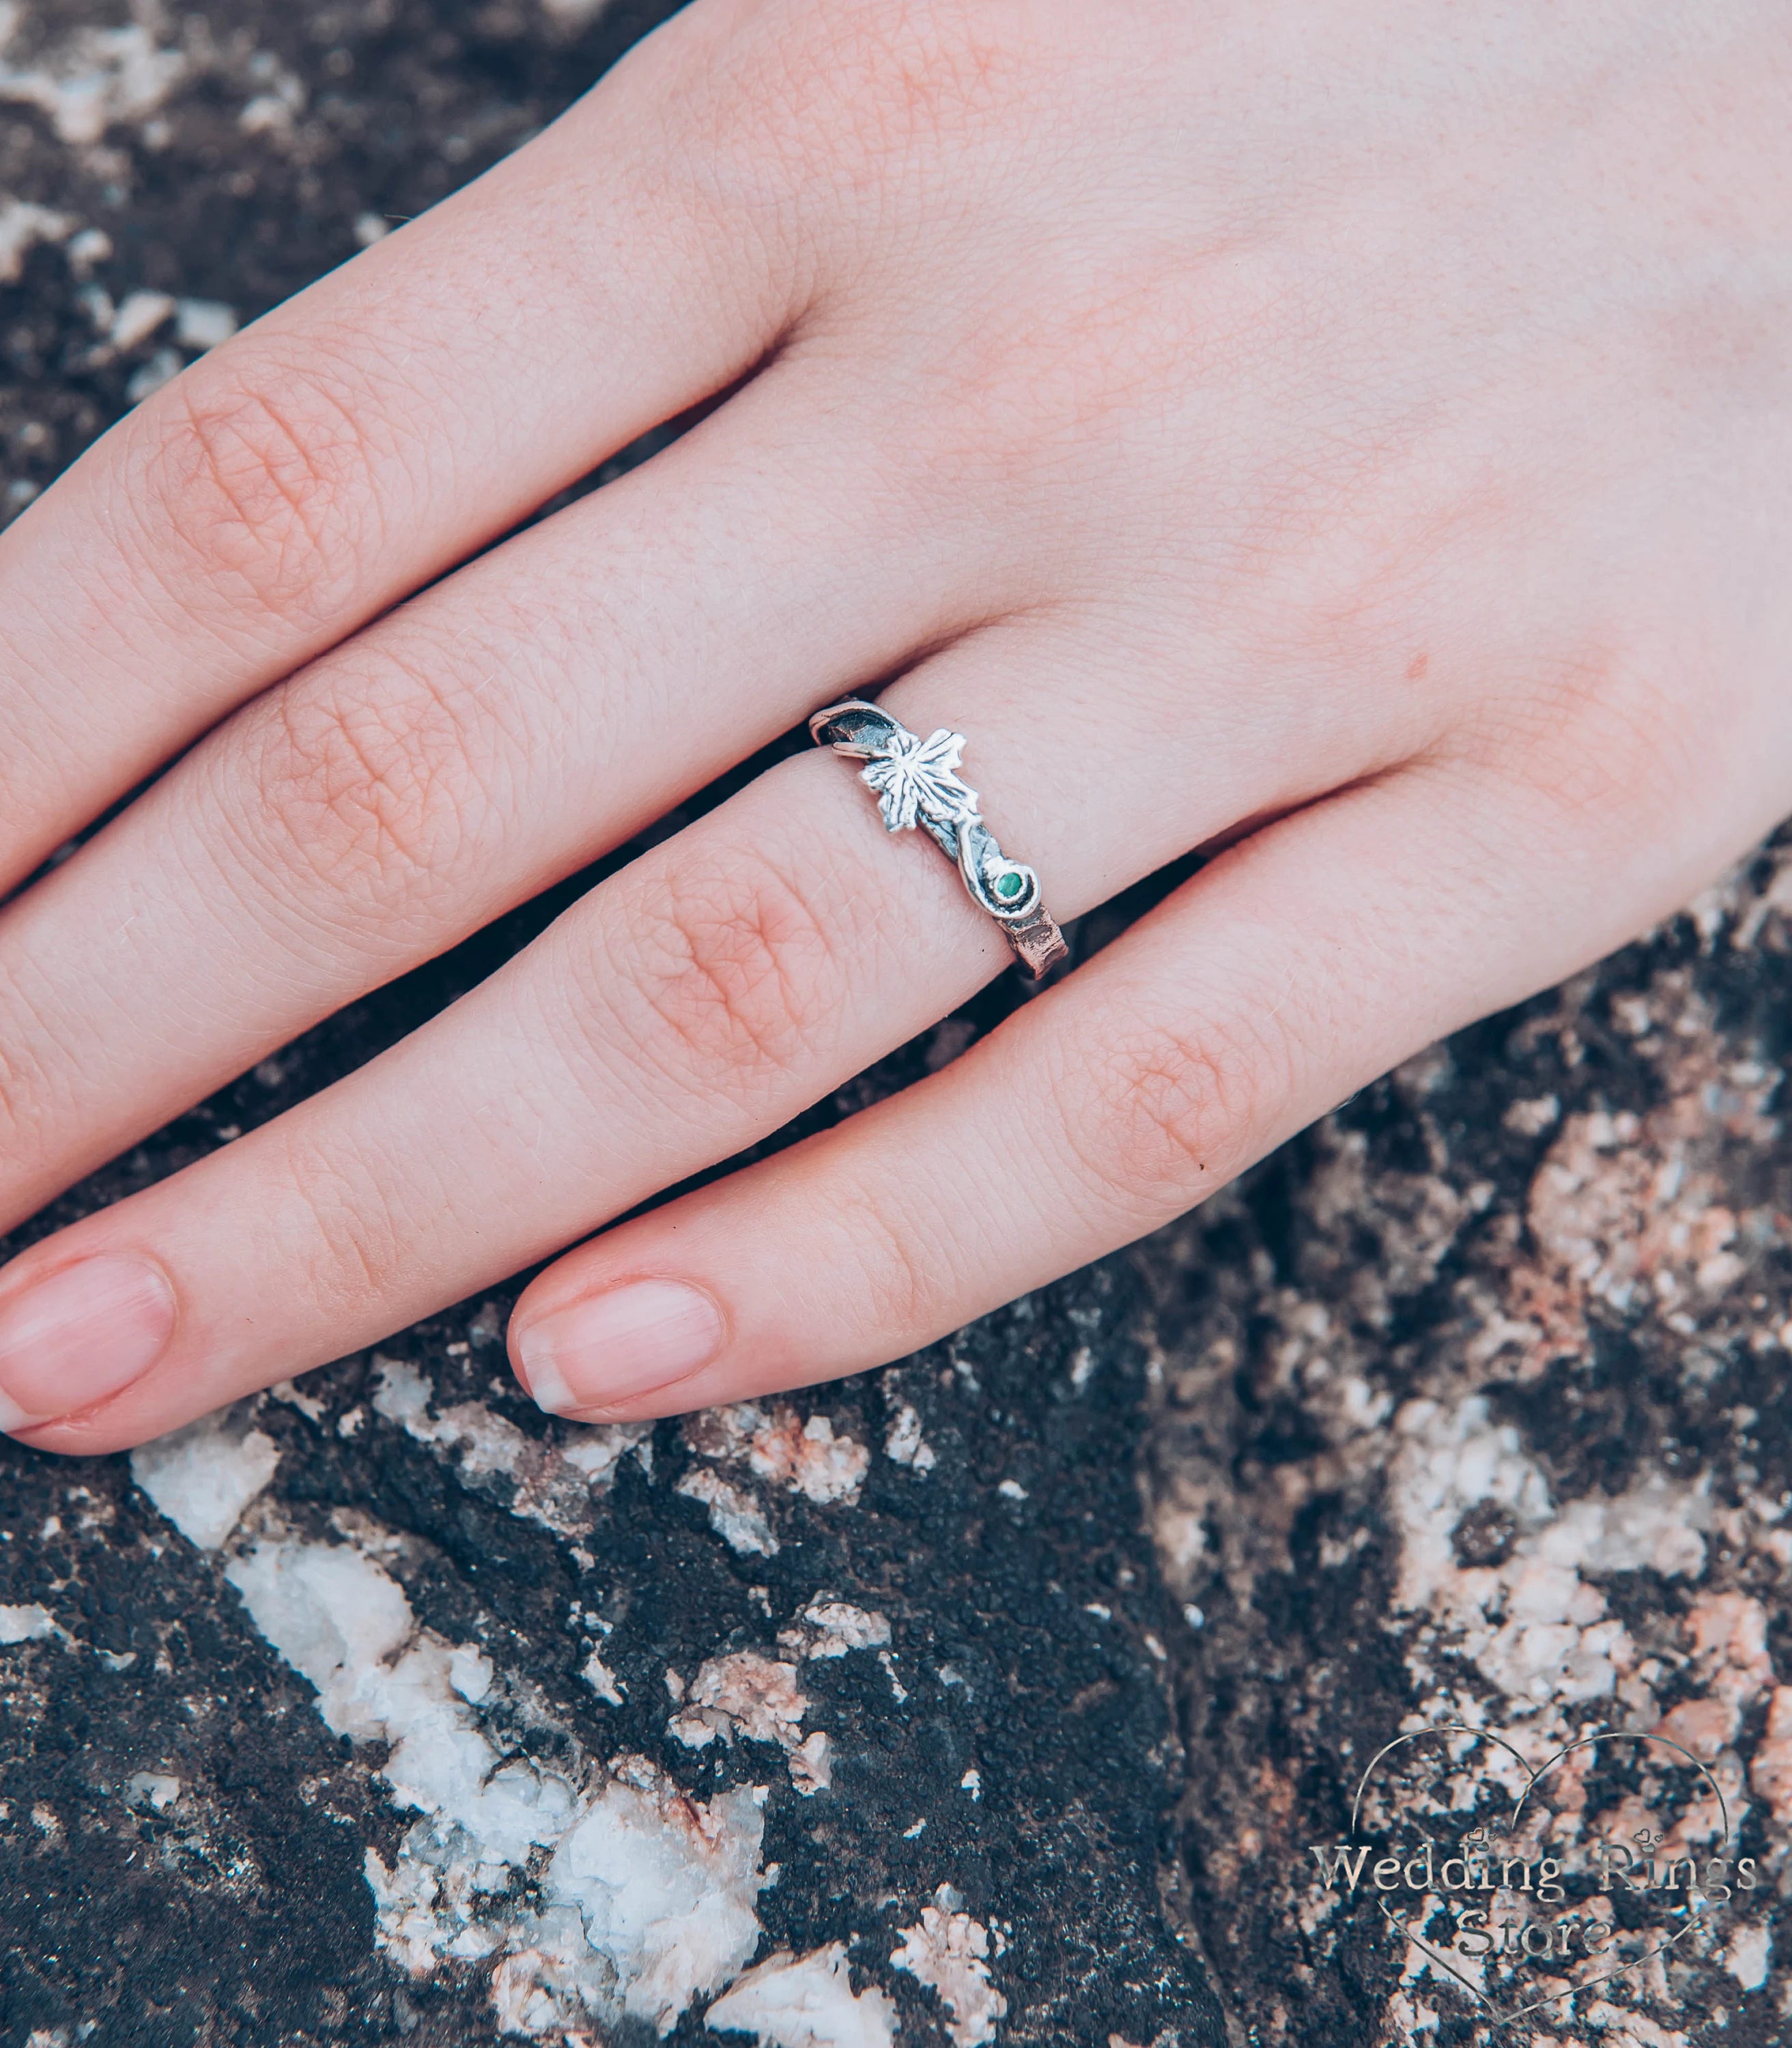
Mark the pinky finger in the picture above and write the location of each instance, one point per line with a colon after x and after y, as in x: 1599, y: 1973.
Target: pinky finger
x: 1290, y: 971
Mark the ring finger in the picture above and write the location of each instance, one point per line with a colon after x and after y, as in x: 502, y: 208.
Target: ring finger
x: 686, y: 1007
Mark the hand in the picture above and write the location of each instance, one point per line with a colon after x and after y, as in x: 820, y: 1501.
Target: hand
x: 1357, y: 438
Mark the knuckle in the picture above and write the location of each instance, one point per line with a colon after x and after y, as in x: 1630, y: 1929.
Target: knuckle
x: 21, y: 1094
x: 353, y: 1249
x: 45, y: 1088
x: 812, y: 103
x: 1059, y: 380
x: 1177, y: 1102
x: 735, y: 966
x: 368, y: 787
x: 1626, y: 758
x: 253, y: 487
x: 1603, y: 738
x: 896, y: 71
x: 898, y: 1289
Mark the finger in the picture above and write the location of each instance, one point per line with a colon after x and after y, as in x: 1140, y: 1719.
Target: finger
x: 1296, y: 968
x: 377, y: 428
x: 690, y: 1005
x: 498, y: 733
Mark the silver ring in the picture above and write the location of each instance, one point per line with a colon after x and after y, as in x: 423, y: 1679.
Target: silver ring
x: 917, y: 785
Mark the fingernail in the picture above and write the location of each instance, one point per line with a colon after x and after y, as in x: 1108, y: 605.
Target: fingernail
x: 78, y: 1335
x: 624, y: 1342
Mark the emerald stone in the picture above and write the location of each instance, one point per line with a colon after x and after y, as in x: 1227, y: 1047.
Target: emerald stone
x: 1008, y: 886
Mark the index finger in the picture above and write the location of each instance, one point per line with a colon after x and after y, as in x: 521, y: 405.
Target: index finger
x: 366, y: 436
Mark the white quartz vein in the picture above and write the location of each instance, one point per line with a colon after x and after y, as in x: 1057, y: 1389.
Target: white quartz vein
x: 647, y: 1895
x: 949, y: 1951
x: 790, y: 2001
x: 203, y: 1476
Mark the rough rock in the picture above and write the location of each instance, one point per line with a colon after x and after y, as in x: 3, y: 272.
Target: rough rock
x: 1470, y: 1407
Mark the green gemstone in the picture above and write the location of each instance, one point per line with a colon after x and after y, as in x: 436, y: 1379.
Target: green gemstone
x: 1009, y: 886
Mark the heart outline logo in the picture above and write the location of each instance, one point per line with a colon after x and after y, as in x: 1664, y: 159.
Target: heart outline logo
x: 1492, y: 2013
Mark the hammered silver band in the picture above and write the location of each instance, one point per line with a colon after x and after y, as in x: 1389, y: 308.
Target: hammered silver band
x: 918, y: 784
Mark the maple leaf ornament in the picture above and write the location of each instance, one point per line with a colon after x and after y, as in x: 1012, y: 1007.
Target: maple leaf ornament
x: 916, y: 775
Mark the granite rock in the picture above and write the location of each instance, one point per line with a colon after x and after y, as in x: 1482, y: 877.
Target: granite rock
x: 1470, y: 1408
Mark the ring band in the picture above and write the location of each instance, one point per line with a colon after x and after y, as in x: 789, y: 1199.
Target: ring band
x: 916, y: 785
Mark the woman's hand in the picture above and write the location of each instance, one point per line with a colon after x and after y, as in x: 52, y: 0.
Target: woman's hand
x: 1360, y: 435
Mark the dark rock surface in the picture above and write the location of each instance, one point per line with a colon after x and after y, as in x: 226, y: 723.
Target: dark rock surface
x: 1032, y: 1666
x: 1473, y: 1408
x: 1012, y: 1742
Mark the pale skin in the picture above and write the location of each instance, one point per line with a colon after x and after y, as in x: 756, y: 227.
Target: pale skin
x: 1356, y: 436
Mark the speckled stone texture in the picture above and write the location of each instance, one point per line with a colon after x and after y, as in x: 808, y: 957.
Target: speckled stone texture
x: 1472, y: 1408
x: 1002, y: 1694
